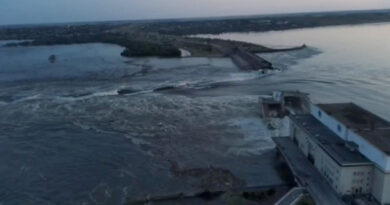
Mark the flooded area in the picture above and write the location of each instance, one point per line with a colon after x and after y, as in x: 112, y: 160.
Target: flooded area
x: 65, y: 127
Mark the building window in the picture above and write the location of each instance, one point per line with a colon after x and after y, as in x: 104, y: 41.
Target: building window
x: 339, y: 128
x: 319, y: 113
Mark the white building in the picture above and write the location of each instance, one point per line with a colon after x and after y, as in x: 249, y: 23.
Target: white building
x: 345, y: 169
x: 358, y: 129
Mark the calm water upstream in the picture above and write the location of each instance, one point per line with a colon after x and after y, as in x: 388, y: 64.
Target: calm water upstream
x: 342, y: 63
x: 67, y: 137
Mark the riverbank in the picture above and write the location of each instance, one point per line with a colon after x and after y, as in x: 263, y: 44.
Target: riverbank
x: 148, y: 45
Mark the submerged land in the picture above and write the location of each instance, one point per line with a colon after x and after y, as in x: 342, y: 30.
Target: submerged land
x: 169, y: 38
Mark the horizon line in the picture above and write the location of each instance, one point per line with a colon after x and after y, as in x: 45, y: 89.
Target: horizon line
x: 184, y: 19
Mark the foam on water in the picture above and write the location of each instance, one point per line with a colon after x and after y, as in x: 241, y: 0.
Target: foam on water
x: 256, y: 138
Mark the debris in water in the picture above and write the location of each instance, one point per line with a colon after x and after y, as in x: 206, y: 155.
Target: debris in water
x: 52, y: 58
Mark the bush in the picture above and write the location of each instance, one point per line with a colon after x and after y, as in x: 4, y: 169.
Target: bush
x: 142, y: 49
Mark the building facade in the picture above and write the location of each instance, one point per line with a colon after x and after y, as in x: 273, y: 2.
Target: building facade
x: 370, y: 136
x: 345, y: 169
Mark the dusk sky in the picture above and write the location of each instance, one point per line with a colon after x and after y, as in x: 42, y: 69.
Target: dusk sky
x: 50, y: 11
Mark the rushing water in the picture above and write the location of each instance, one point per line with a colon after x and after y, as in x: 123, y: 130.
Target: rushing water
x: 67, y: 137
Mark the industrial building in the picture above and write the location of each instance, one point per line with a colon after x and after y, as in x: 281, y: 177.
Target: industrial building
x: 348, y: 145
x: 369, y: 133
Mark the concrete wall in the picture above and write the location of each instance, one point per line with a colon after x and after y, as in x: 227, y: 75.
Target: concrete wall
x: 356, y: 180
x: 330, y: 170
x: 370, y: 151
x: 367, y: 149
x: 381, y: 186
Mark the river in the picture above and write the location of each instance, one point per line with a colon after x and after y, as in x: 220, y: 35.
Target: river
x: 341, y: 63
x: 67, y: 137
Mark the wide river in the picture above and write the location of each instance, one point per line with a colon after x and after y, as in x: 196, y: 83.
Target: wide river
x: 342, y: 63
x: 67, y: 137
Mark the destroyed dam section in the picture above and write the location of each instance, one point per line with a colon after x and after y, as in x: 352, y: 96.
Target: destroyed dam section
x: 246, y: 56
x: 250, y: 62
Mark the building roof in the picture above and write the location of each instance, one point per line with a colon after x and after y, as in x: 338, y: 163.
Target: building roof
x: 379, y: 138
x: 354, y: 116
x: 371, y: 127
x: 329, y: 141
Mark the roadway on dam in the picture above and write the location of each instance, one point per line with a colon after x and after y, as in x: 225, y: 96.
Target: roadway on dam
x: 306, y: 174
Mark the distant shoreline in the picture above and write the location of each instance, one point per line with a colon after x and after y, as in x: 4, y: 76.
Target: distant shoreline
x: 166, y: 38
x: 269, y: 23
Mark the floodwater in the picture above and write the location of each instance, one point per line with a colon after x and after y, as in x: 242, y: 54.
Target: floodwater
x: 67, y: 137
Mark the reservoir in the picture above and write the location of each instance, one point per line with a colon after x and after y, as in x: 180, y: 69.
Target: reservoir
x: 342, y: 63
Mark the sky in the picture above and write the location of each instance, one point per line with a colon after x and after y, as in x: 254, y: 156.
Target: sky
x: 56, y: 11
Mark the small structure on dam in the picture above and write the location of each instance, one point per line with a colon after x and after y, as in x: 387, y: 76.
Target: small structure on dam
x: 280, y: 104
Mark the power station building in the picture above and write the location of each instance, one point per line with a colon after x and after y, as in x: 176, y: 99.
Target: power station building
x: 348, y: 145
